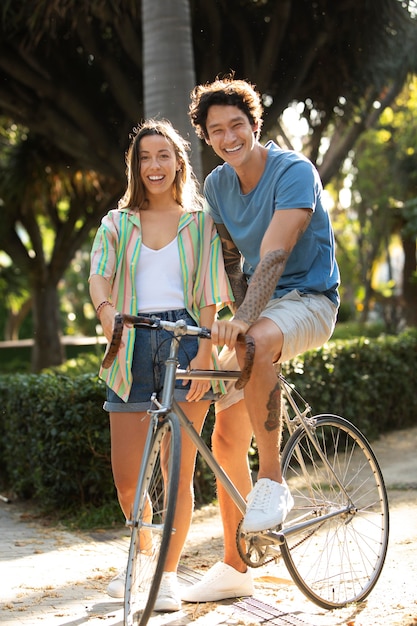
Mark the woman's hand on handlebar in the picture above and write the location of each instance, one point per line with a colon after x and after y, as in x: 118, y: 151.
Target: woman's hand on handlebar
x: 107, y: 320
x: 107, y: 324
x: 198, y: 387
x: 225, y: 332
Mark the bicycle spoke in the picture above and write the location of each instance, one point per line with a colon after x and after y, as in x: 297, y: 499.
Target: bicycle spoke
x: 339, y: 560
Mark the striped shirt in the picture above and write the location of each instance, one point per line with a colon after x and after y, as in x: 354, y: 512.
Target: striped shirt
x: 115, y: 255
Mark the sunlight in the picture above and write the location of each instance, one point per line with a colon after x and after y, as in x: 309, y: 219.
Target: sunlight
x: 294, y: 125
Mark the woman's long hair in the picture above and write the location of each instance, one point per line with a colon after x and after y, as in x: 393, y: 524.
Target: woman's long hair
x: 185, y: 189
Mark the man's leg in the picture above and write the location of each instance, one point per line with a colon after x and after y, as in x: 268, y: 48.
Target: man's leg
x: 307, y: 321
x: 270, y: 500
x: 263, y: 396
x: 231, y: 440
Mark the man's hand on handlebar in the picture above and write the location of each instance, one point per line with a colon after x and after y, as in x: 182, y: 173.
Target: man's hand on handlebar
x: 225, y: 332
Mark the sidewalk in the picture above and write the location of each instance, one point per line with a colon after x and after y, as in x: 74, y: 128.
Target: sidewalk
x: 59, y: 578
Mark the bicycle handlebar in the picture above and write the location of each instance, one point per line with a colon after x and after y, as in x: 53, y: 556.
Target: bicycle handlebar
x: 120, y: 319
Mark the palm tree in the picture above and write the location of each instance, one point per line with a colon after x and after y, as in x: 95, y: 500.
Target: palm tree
x: 49, y: 209
x: 168, y: 66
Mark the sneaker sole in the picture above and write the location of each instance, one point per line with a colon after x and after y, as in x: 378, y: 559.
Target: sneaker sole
x: 167, y: 607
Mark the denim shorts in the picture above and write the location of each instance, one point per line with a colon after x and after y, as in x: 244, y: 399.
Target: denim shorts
x: 148, y: 366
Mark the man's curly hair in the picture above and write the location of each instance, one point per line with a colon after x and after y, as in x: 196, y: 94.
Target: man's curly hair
x: 224, y: 91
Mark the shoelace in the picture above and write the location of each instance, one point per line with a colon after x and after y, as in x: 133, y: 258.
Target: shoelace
x: 167, y: 587
x: 121, y: 575
x: 260, y: 497
x: 164, y: 589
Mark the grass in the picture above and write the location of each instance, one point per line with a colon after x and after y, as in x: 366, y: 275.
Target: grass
x: 109, y: 515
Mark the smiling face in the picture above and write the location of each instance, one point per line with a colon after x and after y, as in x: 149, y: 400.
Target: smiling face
x: 230, y: 134
x: 158, y: 164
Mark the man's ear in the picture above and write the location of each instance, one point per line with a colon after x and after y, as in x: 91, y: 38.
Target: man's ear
x: 207, y: 140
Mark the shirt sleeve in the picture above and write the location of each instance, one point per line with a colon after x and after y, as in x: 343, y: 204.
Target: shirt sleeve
x: 217, y: 287
x: 103, y: 252
x: 298, y: 186
x: 210, y: 204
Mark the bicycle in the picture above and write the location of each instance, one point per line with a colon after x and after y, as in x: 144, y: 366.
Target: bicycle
x: 341, y: 506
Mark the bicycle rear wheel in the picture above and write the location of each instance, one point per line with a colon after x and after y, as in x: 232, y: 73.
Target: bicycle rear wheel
x: 152, y: 520
x: 338, y: 560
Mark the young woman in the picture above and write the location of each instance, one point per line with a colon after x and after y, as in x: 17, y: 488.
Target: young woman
x: 159, y: 254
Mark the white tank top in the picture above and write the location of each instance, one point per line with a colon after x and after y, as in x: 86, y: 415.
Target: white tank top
x: 159, y: 279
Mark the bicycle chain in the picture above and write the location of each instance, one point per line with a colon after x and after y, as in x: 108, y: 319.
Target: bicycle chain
x: 246, y: 559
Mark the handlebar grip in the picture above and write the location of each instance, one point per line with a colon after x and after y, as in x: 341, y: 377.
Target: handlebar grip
x: 248, y: 364
x: 120, y: 319
x: 114, y: 345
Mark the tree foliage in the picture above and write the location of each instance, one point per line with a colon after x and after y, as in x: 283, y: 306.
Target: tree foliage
x: 49, y: 211
x: 385, y: 201
x: 72, y: 70
x: 72, y: 78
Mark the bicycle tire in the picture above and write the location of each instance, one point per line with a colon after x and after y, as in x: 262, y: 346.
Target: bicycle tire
x: 150, y: 536
x: 339, y: 560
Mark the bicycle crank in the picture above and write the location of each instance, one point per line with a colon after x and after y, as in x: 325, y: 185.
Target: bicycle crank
x: 256, y: 549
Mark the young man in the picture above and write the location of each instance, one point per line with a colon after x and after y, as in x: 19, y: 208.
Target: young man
x: 278, y: 247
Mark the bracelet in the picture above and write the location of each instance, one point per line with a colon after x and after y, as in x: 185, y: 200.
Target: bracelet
x: 101, y: 306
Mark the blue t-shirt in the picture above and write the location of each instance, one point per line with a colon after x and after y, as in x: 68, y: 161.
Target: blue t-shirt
x: 289, y: 181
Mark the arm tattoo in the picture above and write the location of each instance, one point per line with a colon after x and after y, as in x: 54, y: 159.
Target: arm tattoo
x: 262, y: 285
x: 233, y: 267
x: 239, y: 287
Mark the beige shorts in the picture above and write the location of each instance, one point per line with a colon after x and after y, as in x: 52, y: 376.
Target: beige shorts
x: 307, y: 321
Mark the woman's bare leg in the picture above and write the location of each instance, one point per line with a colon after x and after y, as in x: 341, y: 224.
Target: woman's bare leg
x: 127, y: 435
x: 196, y: 413
x: 233, y: 433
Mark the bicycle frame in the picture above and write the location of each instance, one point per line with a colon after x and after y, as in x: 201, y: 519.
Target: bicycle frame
x: 169, y: 405
x: 277, y: 538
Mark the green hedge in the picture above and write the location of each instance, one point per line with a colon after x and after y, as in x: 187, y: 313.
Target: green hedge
x: 55, y: 443
x: 371, y: 382
x: 54, y: 435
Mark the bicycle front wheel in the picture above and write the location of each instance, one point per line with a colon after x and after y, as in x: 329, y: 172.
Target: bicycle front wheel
x: 152, y: 520
x: 339, y: 559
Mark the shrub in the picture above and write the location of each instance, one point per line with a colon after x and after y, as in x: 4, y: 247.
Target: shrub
x: 369, y: 382
x: 55, y: 439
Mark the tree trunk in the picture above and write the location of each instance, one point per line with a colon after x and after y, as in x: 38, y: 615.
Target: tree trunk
x: 14, y: 321
x: 47, y: 349
x: 168, y: 67
x: 409, y: 281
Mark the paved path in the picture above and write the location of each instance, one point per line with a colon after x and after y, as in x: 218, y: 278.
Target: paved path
x: 58, y: 578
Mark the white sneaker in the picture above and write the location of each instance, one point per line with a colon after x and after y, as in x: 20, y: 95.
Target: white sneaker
x: 116, y: 587
x: 168, y: 598
x: 269, y: 503
x: 220, y: 582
